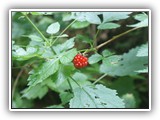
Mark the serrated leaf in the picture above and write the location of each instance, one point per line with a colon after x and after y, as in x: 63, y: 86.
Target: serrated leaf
x: 95, y: 58
x: 44, y: 71
x: 91, y: 17
x: 64, y: 46
x: 81, y: 80
x: 33, y: 92
x: 127, y: 65
x: 61, y: 75
x: 79, y: 25
x: 143, y: 51
x: 53, y: 28
x: 95, y: 97
x: 104, y: 26
x: 129, y: 100
x: 68, y: 56
x: 114, y: 16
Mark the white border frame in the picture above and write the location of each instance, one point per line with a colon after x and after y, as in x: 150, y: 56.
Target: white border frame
x: 63, y: 10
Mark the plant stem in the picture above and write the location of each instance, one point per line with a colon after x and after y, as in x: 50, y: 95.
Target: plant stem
x: 64, y: 31
x: 16, y: 81
x: 110, y: 40
x: 70, y: 85
x: 95, y: 39
x: 99, y: 79
x: 35, y: 27
x: 115, y: 37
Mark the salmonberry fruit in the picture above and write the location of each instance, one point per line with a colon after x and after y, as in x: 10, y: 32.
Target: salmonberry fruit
x: 80, y: 61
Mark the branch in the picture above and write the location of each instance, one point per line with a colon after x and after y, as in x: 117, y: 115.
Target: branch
x: 115, y: 37
x: 16, y: 81
x: 35, y: 27
x: 110, y: 40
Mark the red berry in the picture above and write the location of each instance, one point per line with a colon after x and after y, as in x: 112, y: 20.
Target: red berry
x: 80, y: 61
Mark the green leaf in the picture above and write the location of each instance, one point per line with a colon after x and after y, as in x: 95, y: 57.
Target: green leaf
x: 140, y: 17
x: 33, y: 92
x: 21, y: 55
x: 41, y: 13
x: 127, y: 65
x: 64, y: 46
x: 34, y: 38
x: 53, y: 28
x: 79, y: 16
x: 114, y: 16
x: 143, y: 21
x: 79, y: 25
x: 79, y: 76
x: 143, y: 50
x: 44, y: 71
x: 129, y: 100
x: 104, y: 26
x: 145, y: 70
x: 95, y: 58
x: 61, y: 75
x: 55, y: 106
x: 95, y: 97
x: 106, y: 53
x: 25, y: 13
x: 65, y: 97
x: 68, y: 56
x: 112, y: 60
x: 92, y: 18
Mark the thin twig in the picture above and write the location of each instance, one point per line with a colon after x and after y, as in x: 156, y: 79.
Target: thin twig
x: 70, y: 85
x: 16, y: 81
x: 115, y: 37
x: 110, y: 40
x: 35, y: 27
x: 100, y: 78
x: 64, y: 31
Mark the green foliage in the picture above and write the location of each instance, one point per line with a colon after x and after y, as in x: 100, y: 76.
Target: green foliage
x: 21, y: 54
x: 79, y: 25
x: 64, y: 46
x: 33, y: 92
x: 43, y: 71
x: 95, y: 58
x: 143, y: 51
x: 34, y: 38
x: 129, y: 101
x: 94, y: 97
x: 108, y: 26
x: 53, y: 28
x: 114, y: 16
x: 143, y: 18
x: 127, y: 64
x: 45, y: 44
